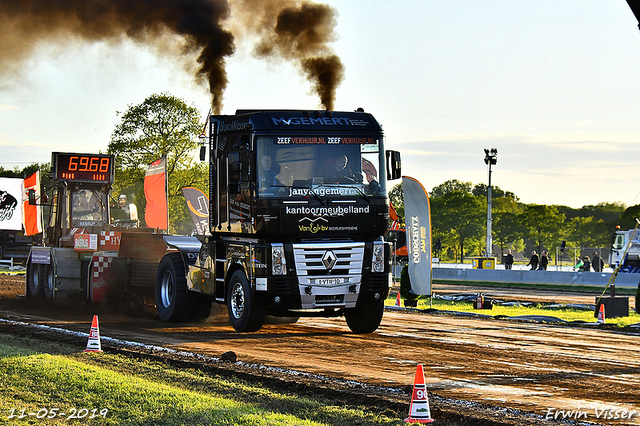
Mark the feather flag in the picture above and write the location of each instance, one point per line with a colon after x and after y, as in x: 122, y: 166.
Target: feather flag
x: 198, y: 204
x: 155, y: 191
x: 32, y: 215
x: 418, y: 225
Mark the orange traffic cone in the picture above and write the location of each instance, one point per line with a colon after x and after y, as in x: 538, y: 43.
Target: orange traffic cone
x: 398, y: 299
x: 93, y: 344
x: 601, y: 319
x: 419, y: 411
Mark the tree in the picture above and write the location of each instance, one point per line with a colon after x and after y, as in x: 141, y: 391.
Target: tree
x: 506, y: 230
x: 582, y: 231
x: 628, y: 217
x: 481, y: 189
x: 162, y: 126
x: 450, y: 186
x: 541, y: 224
x: 25, y: 172
x: 461, y: 213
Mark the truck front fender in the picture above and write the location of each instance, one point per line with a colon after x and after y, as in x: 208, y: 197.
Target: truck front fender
x: 188, y: 247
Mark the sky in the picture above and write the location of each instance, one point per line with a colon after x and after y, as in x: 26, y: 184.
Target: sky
x: 554, y: 85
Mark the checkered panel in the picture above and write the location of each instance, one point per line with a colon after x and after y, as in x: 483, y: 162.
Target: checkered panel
x: 100, y: 263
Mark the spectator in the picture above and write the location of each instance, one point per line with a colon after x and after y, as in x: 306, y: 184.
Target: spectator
x: 587, y: 264
x: 534, y: 261
x: 597, y: 263
x: 508, y: 260
x: 544, y: 261
x: 579, y: 266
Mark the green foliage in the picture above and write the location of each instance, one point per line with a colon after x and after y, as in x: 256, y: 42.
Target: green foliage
x: 162, y: 126
x: 481, y: 190
x: 466, y: 223
x: 506, y: 228
x: 458, y: 215
x: 582, y: 232
x: 396, y: 197
x: 452, y: 185
x: 542, y: 224
x: 628, y: 217
x: 24, y: 172
x: 39, y: 375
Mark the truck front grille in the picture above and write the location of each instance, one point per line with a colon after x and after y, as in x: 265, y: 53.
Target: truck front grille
x: 310, y: 267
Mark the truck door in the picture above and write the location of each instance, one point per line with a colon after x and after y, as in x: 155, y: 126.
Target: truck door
x: 234, y: 183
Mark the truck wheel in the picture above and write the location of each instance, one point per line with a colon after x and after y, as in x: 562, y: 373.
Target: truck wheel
x: 364, y: 320
x: 48, y: 280
x: 172, y: 303
x: 244, y: 312
x: 35, y: 283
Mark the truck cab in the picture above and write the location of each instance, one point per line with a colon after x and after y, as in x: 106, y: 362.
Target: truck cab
x: 298, y: 211
x: 625, y: 250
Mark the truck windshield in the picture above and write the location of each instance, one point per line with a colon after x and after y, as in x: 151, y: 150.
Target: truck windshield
x: 87, y: 208
x: 618, y: 244
x: 288, y: 166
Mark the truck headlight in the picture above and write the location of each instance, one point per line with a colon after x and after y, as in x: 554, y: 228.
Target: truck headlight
x: 377, y: 264
x: 278, y: 261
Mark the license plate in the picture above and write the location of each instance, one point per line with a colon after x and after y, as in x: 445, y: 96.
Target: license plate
x: 329, y: 281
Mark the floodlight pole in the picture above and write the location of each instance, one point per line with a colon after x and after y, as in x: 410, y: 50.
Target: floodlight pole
x: 491, y: 157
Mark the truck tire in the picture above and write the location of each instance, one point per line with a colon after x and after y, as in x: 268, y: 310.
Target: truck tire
x: 35, y: 282
x: 244, y: 313
x: 364, y: 320
x: 48, y: 280
x: 172, y: 301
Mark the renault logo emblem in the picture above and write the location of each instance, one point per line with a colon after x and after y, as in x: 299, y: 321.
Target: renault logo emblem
x: 329, y: 259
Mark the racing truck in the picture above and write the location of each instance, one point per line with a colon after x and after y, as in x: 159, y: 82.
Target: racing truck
x: 297, y: 214
x: 625, y: 250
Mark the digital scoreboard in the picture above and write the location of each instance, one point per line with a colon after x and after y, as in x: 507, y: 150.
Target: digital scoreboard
x: 89, y: 168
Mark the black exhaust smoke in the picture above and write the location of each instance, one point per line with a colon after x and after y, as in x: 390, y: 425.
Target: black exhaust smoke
x: 302, y: 33
x: 26, y: 23
x: 288, y: 29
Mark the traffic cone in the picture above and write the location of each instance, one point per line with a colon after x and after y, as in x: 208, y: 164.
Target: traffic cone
x: 419, y: 411
x: 601, y: 319
x: 398, y: 299
x: 93, y: 344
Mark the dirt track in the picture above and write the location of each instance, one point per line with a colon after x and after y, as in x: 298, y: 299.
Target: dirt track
x: 546, y: 370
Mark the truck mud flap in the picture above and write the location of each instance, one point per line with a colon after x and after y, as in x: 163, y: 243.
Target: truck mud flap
x: 100, y: 275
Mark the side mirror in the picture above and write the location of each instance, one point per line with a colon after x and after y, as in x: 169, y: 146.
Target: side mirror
x: 32, y: 197
x: 394, y: 165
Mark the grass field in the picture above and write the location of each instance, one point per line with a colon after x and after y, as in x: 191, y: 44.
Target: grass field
x: 517, y: 311
x: 48, y: 380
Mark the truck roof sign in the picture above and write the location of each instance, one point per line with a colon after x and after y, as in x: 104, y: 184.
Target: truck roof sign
x: 297, y: 120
